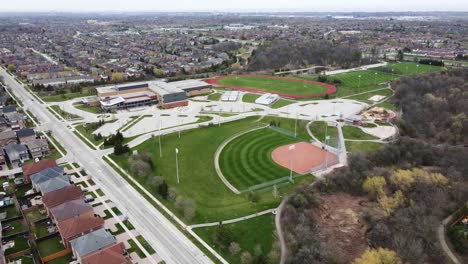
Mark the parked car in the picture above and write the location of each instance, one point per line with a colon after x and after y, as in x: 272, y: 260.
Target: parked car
x: 88, y: 198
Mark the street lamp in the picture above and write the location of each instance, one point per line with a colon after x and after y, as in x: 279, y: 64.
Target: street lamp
x: 291, y: 157
x: 359, y: 85
x: 375, y: 78
x: 417, y: 68
x: 160, y: 148
x: 177, y: 163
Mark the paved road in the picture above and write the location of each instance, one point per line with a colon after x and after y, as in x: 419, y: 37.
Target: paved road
x: 171, y: 244
x: 443, y: 243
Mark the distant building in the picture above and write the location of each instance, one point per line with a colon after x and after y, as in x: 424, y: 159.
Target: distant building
x: 166, y: 95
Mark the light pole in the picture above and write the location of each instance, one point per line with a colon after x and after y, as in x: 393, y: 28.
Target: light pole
x: 359, y: 85
x: 393, y: 74
x: 160, y: 148
x: 417, y: 68
x: 375, y: 78
x: 295, y: 126
x: 177, y: 163
x: 291, y: 157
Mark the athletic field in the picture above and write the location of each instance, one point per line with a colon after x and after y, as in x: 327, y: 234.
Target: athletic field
x: 246, y: 161
x: 286, y: 87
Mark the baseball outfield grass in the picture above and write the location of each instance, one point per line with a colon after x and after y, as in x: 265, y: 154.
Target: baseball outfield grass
x: 246, y: 161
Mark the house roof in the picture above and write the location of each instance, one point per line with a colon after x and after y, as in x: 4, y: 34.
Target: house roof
x: 13, y: 150
x: 25, y: 132
x: 60, y: 196
x: 38, y: 166
x: 70, y: 209
x: 9, y: 109
x: 53, y: 184
x: 78, y: 225
x: 47, y: 174
x: 92, y: 242
x: 7, y: 134
x: 109, y: 255
x: 37, y: 143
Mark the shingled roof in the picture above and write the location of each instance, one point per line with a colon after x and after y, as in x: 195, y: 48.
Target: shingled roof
x: 109, y: 255
x: 36, y: 167
x: 92, y: 242
x: 58, y: 197
x: 70, y: 209
x: 74, y: 226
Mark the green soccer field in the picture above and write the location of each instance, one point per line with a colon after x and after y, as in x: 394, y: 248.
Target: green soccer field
x: 246, y: 161
x: 273, y: 85
x: 408, y: 68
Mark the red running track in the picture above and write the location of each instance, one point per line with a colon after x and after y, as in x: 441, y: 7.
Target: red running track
x: 330, y: 88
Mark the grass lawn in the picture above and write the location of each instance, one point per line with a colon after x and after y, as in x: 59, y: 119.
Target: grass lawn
x: 250, y: 98
x: 11, y: 211
x: 408, y: 68
x: 318, y: 129
x: 366, y: 147
x: 214, y: 96
x: 62, y: 260
x: 41, y: 229
x: 90, y: 109
x: 365, y: 97
x: 246, y: 161
x: 382, y: 123
x: 281, y: 102
x: 352, y: 132
x: 198, y: 178
x: 26, y: 259
x: 100, y: 192
x: 88, y: 133
x: 21, y: 243
x: 64, y: 97
x: 248, y: 234
x: 17, y: 226
x: 280, y: 85
x: 21, y: 190
x: 137, y: 250
x: 62, y: 113
x: 35, y: 215
x: 50, y: 246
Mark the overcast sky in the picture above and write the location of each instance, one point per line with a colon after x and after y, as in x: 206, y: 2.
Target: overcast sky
x: 233, y: 5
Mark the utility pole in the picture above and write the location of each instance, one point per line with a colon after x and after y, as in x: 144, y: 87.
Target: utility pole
x: 291, y: 157
x: 177, y: 163
x: 375, y: 78
x: 160, y: 148
x: 359, y: 85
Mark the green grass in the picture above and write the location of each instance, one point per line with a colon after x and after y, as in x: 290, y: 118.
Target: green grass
x: 408, y: 68
x: 26, y: 259
x: 88, y: 134
x: 21, y: 243
x: 90, y: 109
x: 362, y: 146
x: 250, y: 98
x: 281, y: 102
x: 50, y: 246
x: 62, y: 113
x: 17, y: 227
x: 365, y: 97
x: 246, y: 161
x: 198, y: 178
x: 248, y: 234
x: 41, y: 229
x: 318, y: 129
x: 214, y: 96
x: 11, y: 211
x: 137, y: 250
x: 100, y: 192
x: 273, y: 85
x: 382, y: 123
x: 68, y: 96
x: 35, y: 215
x: 352, y: 132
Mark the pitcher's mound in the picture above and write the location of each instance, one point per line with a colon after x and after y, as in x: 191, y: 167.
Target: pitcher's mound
x: 303, y: 157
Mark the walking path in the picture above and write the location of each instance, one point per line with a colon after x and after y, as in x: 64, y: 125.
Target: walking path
x: 441, y: 237
x: 235, y: 220
x: 279, y: 231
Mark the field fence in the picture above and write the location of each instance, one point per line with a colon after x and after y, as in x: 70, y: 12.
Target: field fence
x: 283, y: 131
x: 269, y: 185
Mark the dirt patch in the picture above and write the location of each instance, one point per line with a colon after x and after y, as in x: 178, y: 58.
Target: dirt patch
x: 303, y: 157
x: 342, y: 225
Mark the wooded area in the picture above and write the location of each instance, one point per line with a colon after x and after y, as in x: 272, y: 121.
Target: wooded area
x: 415, y: 182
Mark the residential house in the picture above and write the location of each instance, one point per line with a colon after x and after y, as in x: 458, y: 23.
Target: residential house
x: 26, y: 135
x: 71, y: 209
x: 16, y: 120
x: 74, y: 227
x: 60, y: 196
x: 3, y: 123
x: 52, y: 185
x: 48, y: 174
x: 110, y: 255
x: 90, y: 243
x: 36, y: 167
x: 17, y: 154
x: 6, y: 137
x: 9, y: 109
x: 38, y: 148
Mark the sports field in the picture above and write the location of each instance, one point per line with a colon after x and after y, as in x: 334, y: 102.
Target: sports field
x: 286, y: 87
x: 408, y: 68
x: 246, y: 161
x: 198, y: 178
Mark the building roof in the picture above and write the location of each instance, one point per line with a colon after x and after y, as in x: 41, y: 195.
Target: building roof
x: 7, y: 134
x: 109, y: 255
x: 78, y: 225
x: 25, y: 132
x: 92, y: 242
x: 53, y: 184
x: 9, y: 109
x: 13, y: 150
x: 37, y: 143
x: 47, y: 174
x: 38, y: 166
x: 70, y: 209
x: 60, y: 196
